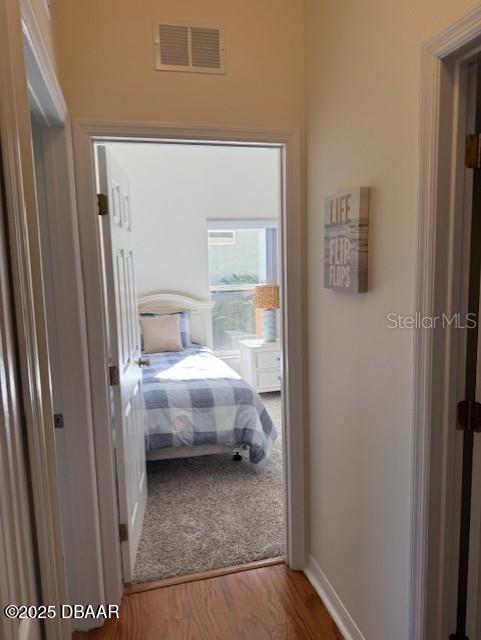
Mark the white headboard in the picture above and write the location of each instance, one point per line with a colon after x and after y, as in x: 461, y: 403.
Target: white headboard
x: 200, y: 310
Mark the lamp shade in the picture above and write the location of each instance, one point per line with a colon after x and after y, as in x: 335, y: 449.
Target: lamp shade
x: 266, y: 296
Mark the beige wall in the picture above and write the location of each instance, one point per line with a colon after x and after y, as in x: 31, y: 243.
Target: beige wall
x: 363, y: 80
x: 106, y: 62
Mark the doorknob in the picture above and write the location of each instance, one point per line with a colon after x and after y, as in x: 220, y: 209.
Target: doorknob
x: 143, y: 362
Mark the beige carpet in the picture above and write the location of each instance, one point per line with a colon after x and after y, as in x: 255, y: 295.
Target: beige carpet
x: 211, y: 512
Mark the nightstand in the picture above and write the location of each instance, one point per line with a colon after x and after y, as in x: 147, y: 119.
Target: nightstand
x: 260, y: 364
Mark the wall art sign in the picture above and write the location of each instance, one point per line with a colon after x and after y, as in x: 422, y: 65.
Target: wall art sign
x: 346, y: 240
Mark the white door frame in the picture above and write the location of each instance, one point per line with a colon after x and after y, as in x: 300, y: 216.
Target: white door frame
x: 66, y: 322
x: 85, y: 133
x: 18, y: 577
x: 439, y: 355
x: 22, y: 222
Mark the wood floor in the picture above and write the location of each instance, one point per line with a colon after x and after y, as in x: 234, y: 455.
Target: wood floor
x: 270, y: 603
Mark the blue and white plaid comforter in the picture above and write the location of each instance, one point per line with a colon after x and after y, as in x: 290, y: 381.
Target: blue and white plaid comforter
x: 194, y: 398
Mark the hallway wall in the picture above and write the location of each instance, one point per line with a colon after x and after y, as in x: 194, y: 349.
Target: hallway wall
x: 362, y: 98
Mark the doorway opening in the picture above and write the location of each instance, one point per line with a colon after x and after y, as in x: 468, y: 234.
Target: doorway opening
x: 467, y: 558
x: 192, y: 263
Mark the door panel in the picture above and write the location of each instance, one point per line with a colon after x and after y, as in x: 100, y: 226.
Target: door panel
x: 127, y: 397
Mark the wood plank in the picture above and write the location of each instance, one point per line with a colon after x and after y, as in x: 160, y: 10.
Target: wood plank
x: 234, y: 626
x: 207, y: 596
x: 288, y: 631
x: 301, y: 602
x: 203, y: 575
x: 160, y: 620
x: 266, y: 603
x: 254, y: 595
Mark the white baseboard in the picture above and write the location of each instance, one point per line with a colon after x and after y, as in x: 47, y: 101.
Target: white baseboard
x: 332, y: 602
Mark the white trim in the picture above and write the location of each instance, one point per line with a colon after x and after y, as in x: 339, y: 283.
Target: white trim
x: 43, y: 85
x: 22, y: 222
x: 422, y: 359
x: 438, y: 356
x: 153, y: 132
x: 18, y: 579
x: 46, y: 4
x: 452, y: 39
x: 85, y: 133
x: 74, y: 446
x: 332, y: 602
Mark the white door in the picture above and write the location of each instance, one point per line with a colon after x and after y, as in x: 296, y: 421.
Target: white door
x: 125, y: 357
x: 18, y: 582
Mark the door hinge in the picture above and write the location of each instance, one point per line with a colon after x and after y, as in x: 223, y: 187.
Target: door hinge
x: 58, y: 420
x: 114, y: 376
x: 102, y: 204
x: 473, y: 151
x: 469, y: 415
x: 123, y: 532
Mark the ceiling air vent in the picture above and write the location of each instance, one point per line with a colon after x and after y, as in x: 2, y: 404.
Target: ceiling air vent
x: 188, y: 47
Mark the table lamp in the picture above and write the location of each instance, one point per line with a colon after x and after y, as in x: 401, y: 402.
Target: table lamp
x: 267, y: 298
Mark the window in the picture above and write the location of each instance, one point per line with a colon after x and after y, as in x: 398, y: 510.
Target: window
x: 240, y: 257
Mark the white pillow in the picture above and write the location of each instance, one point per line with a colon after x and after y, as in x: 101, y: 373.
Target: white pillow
x: 161, y: 333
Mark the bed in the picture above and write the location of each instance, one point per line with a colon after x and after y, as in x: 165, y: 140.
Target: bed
x: 195, y: 403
